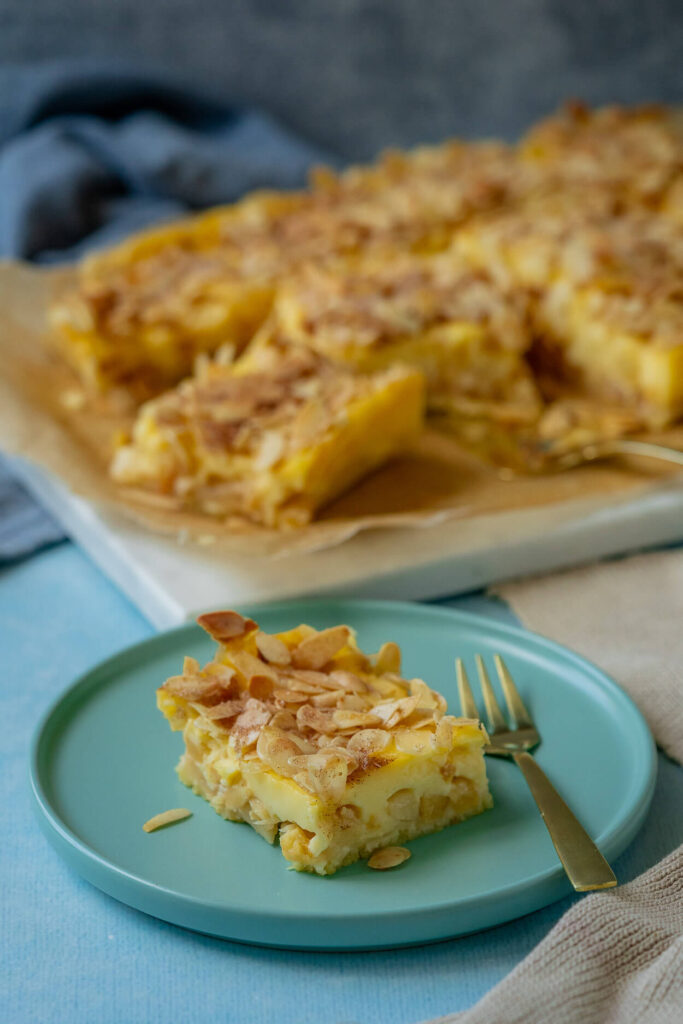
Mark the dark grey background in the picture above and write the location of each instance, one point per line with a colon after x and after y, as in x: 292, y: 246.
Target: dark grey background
x: 357, y: 75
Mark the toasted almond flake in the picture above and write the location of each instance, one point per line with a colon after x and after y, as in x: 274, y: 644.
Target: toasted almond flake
x: 276, y: 749
x: 284, y: 720
x: 344, y: 719
x: 284, y: 696
x: 316, y: 650
x: 226, y: 709
x: 391, y: 712
x: 427, y: 698
x: 443, y: 738
x: 248, y: 725
x: 190, y: 666
x: 260, y: 687
x: 369, y: 741
x: 273, y: 649
x: 248, y: 666
x: 300, y: 686
x: 388, y: 658
x: 328, y: 699
x: 389, y: 857
x: 316, y: 679
x: 349, y: 681
x: 166, y: 818
x: 313, y: 718
x: 353, y: 702
x: 226, y: 625
x: 201, y: 688
x: 413, y: 741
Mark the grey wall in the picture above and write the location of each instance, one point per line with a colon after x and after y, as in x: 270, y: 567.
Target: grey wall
x: 357, y: 75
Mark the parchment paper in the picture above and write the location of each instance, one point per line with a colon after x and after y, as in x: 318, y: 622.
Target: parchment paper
x: 437, y: 480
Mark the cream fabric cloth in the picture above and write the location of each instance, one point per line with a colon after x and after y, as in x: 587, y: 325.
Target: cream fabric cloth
x: 615, y: 957
x: 627, y: 617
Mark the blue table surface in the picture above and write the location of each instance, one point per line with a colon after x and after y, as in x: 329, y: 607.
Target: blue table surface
x: 72, y: 954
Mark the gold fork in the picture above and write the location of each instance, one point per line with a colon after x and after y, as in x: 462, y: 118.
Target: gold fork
x: 585, y: 866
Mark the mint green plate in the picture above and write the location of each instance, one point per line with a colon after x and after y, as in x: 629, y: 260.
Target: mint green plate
x: 103, y: 759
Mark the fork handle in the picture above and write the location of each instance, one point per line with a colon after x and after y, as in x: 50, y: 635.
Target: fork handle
x: 585, y: 866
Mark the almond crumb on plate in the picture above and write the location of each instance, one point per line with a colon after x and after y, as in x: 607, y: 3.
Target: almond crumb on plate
x: 389, y: 857
x: 166, y: 818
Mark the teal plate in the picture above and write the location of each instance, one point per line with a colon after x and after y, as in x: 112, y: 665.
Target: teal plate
x: 103, y: 760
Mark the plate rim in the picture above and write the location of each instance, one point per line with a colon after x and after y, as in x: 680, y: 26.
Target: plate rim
x: 59, y: 834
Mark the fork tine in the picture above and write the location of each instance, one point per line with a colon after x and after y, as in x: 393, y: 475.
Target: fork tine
x: 515, y: 704
x: 468, y: 704
x: 495, y: 715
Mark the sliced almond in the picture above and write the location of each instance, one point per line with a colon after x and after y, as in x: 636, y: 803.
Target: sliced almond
x: 391, y: 712
x: 313, y: 718
x: 260, y: 687
x: 387, y: 659
x: 353, y: 702
x: 443, y: 738
x: 227, y: 625
x: 328, y: 699
x: 226, y: 709
x: 315, y: 651
x: 413, y: 741
x: 273, y: 649
x: 284, y: 720
x: 319, y: 680
x: 348, y: 681
x: 202, y: 688
x: 248, y: 666
x: 426, y: 697
x: 389, y: 857
x: 190, y: 666
x: 369, y: 741
x: 344, y: 719
x: 276, y: 749
x: 248, y: 725
x: 325, y: 773
x: 166, y: 818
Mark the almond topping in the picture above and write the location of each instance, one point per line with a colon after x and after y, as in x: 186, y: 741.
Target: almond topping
x: 444, y: 733
x: 391, y: 712
x: 389, y: 857
x: 387, y: 659
x: 166, y: 818
x: 369, y: 741
x: 260, y: 687
x: 273, y: 649
x: 197, y: 688
x: 312, y: 718
x: 226, y: 625
x: 247, y: 727
x: 316, y: 650
x: 226, y: 709
x: 248, y: 666
x: 349, y: 681
x: 344, y: 719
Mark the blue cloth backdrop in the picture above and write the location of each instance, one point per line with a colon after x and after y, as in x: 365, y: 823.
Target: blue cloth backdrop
x: 91, y: 152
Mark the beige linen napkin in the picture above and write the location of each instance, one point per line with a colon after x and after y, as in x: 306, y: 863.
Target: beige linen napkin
x: 627, y: 617
x: 615, y: 958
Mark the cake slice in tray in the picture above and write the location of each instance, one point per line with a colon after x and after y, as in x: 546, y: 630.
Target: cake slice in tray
x: 270, y: 440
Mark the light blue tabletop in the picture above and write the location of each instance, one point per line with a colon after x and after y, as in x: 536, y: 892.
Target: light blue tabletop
x: 71, y: 954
